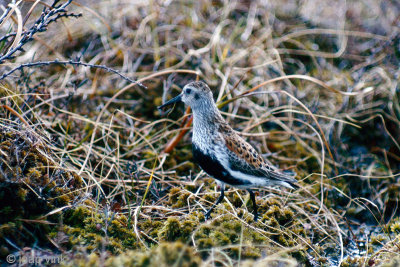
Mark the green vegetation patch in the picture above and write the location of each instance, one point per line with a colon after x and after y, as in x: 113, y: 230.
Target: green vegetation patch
x: 31, y: 185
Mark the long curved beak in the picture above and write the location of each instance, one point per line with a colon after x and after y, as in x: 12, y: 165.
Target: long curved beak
x: 172, y: 101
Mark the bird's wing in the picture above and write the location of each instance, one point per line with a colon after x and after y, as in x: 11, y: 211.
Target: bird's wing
x: 245, y: 159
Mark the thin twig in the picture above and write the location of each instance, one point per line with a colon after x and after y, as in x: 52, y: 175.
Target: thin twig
x: 70, y: 62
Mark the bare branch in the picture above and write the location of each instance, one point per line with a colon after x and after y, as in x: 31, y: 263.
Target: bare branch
x: 69, y: 62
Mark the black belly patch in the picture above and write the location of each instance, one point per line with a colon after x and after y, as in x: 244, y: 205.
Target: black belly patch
x: 214, y: 168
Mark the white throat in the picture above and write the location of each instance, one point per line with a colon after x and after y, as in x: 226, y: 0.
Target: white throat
x: 205, y: 126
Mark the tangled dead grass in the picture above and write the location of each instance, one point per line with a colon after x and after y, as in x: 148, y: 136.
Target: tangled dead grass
x: 315, y: 91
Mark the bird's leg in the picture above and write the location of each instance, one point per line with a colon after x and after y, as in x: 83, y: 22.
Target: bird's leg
x: 221, y: 197
x: 253, y: 199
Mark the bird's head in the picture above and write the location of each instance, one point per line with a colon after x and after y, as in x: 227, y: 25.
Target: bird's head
x: 197, y: 95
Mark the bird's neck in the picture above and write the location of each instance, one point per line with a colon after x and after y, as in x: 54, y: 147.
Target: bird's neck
x: 205, y: 123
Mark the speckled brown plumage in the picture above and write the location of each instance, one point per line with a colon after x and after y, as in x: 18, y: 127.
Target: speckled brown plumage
x: 241, y: 148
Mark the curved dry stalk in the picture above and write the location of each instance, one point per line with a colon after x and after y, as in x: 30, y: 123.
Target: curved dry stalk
x: 15, y: 113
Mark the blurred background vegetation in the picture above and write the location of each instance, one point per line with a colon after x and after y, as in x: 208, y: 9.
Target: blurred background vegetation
x: 91, y: 170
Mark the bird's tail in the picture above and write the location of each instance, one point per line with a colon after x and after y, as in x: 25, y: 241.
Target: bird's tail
x: 285, y: 179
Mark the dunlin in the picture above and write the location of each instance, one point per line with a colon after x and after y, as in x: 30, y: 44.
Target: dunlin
x: 221, y: 152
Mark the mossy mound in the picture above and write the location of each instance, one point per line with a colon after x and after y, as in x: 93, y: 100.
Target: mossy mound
x: 31, y: 185
x: 163, y: 255
x: 175, y: 230
x: 250, y: 240
x: 96, y: 231
x: 280, y: 226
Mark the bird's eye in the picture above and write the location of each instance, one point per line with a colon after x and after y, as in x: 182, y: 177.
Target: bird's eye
x: 188, y: 91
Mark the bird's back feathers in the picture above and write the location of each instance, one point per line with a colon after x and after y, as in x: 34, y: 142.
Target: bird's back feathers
x: 242, y: 161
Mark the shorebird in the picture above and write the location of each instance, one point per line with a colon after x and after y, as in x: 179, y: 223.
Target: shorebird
x: 221, y: 152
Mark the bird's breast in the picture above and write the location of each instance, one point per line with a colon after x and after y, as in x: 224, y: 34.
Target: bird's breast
x: 204, y: 137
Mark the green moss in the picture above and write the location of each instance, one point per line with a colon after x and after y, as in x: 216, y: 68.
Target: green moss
x: 393, y: 262
x: 91, y: 260
x: 29, y: 188
x: 178, y: 198
x: 174, y: 230
x: 395, y: 227
x: 96, y: 231
x: 356, y: 261
x: 171, y: 230
x: 173, y: 195
x: 377, y: 239
x: 225, y: 231
x: 164, y: 255
x: 151, y: 228
x: 278, y: 223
